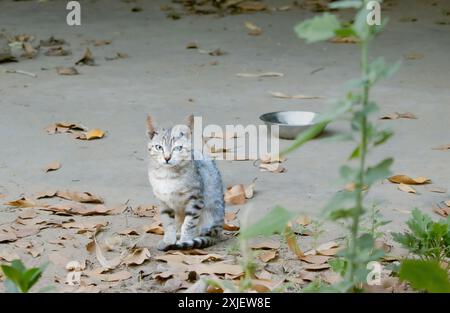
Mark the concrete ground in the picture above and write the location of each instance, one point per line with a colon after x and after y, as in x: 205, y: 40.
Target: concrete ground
x: 161, y: 75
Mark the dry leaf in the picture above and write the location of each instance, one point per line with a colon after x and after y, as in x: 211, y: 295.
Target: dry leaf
x: 65, y: 127
x: 291, y: 241
x: 99, y: 43
x: 250, y: 189
x: 396, y: 115
x: 404, y: 179
x: 266, y: 74
x: 303, y: 220
x: 87, y: 58
x: 406, y: 188
x: 264, y: 244
x: 272, y: 158
x: 154, y: 228
x: 56, y: 51
x: 442, y: 148
x: 83, y: 197
x: 86, y: 226
x: 267, y: 256
x: 235, y: 195
x: 23, y: 203
x: 95, y: 134
x: 149, y: 210
x: 55, y: 165
x: 347, y: 39
x: 35, y: 251
x: 78, y: 209
x: 315, y: 259
x: 253, y: 29
x: 230, y: 227
x: 137, y: 257
x: 52, y: 41
x: 272, y: 167
x: 67, y: 71
x: 29, y: 51
x: 437, y: 189
x: 7, y: 236
x: 251, y: 6
x: 192, y: 45
x: 111, y: 264
x: 218, y: 268
x: 27, y: 214
x: 414, y: 56
x: 444, y: 212
x: 282, y: 95
x: 316, y: 267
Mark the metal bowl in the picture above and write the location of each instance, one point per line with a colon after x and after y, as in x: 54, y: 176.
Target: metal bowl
x: 290, y: 123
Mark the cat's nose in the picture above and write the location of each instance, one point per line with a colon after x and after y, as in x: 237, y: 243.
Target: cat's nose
x: 167, y: 158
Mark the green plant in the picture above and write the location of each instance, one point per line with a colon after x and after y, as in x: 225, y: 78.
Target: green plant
x: 357, y: 107
x: 426, y: 239
x: 425, y: 275
x: 375, y: 220
x: 19, y: 278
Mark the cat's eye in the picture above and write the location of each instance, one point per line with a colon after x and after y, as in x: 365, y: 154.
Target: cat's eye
x: 177, y: 148
x: 158, y: 147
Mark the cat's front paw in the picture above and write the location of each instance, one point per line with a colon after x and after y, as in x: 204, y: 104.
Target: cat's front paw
x: 164, y: 246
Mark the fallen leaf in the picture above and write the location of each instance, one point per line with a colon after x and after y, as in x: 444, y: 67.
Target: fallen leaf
x: 217, y: 52
x: 447, y: 203
x: 235, y: 195
x: 272, y: 167
x: 35, y: 251
x: 396, y: 115
x: 268, y: 256
x: 253, y: 29
x: 90, y: 226
x: 406, y: 188
x: 29, y: 51
x: 217, y: 268
x: 442, y: 148
x: 56, y: 51
x: 251, y: 6
x: 55, y: 165
x: 82, y: 197
x: 315, y: 259
x: 437, y: 189
x: 154, y: 228
x: 282, y: 95
x: 404, y: 179
x: 444, y: 212
x: 107, y: 264
x: 266, y: 74
x: 65, y: 127
x: 231, y: 227
x: 331, y: 277
x: 87, y: 59
x: 52, y: 41
x: 67, y: 71
x: 149, y: 210
x: 137, y: 257
x: 414, y: 56
x: 264, y: 244
x: 346, y: 39
x: 99, y: 43
x: 192, y: 45
x: 272, y: 158
x: 263, y: 274
x: 94, y: 134
x: 316, y: 267
x: 303, y: 220
x: 229, y: 216
x: 291, y: 241
x: 23, y: 203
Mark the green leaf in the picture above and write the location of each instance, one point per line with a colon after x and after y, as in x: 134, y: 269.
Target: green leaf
x: 346, y: 4
x: 379, y: 171
x: 272, y: 223
x: 355, y: 153
x: 360, y: 26
x: 30, y: 277
x: 425, y: 275
x: 306, y: 136
x: 319, y: 28
x: 379, y: 69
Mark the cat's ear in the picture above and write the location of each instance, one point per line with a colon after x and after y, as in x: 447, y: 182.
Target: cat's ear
x: 190, y: 122
x: 151, y: 131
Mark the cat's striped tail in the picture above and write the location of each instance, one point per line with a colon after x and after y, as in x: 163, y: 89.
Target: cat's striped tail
x: 197, y: 242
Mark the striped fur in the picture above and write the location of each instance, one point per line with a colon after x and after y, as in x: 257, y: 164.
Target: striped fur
x: 189, y: 189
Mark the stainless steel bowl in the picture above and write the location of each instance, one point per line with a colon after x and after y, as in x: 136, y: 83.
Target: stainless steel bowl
x: 291, y: 123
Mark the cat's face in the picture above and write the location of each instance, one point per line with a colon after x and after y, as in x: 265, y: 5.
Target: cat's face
x: 169, y: 147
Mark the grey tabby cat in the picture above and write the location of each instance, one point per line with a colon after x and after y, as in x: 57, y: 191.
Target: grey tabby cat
x: 188, y: 186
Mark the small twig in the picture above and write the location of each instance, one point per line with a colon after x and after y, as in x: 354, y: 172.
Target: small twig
x: 316, y: 70
x: 21, y: 72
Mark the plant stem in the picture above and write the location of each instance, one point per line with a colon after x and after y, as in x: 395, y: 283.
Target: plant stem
x: 359, y: 205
